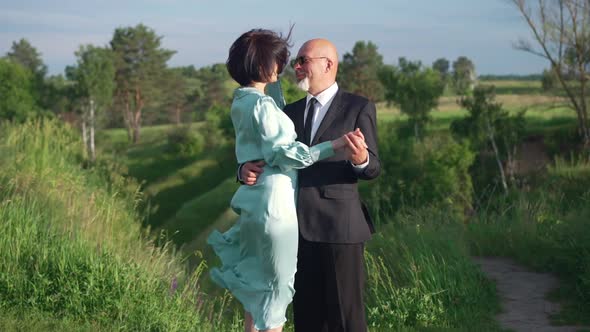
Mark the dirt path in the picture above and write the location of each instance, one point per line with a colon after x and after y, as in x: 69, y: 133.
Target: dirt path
x: 522, y: 293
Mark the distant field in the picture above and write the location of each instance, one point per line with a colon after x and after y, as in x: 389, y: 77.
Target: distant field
x: 542, y: 109
x: 515, y: 87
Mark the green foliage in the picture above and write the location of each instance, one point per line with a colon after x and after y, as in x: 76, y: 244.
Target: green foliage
x: 94, y: 77
x: 549, y: 80
x: 486, y: 117
x: 176, y: 94
x: 510, y: 77
x: 23, y: 53
x: 442, y: 66
x: 414, y: 89
x: 490, y: 127
x: 218, y: 129
x: 212, y: 85
x: 185, y: 142
x: 463, y: 75
x: 290, y: 90
x: 432, y: 172
x: 59, y: 94
x: 138, y: 56
x: 358, y: 71
x: 16, y: 92
x: 139, y: 62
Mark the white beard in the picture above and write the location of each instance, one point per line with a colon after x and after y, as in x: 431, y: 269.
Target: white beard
x: 304, y: 84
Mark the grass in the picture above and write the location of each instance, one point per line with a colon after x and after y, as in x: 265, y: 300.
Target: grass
x: 195, y: 215
x: 169, y: 194
x: 421, y: 275
x: 73, y: 252
x: 515, y: 87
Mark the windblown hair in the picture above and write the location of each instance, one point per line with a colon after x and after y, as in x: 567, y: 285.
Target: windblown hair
x: 253, y: 55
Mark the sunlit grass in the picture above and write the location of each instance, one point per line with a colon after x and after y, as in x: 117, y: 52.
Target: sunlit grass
x: 73, y: 250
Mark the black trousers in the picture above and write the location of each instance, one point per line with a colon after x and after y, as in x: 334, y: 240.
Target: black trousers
x: 329, y: 288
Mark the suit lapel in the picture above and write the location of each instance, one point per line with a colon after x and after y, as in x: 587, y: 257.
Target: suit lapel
x: 329, y: 117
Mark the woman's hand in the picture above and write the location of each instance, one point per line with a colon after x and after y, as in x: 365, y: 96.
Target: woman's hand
x: 357, y: 149
x: 351, y: 141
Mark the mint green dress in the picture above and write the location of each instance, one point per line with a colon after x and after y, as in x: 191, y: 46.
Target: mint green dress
x: 259, y: 253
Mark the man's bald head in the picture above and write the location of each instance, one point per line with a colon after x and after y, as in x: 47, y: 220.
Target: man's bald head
x: 322, y: 47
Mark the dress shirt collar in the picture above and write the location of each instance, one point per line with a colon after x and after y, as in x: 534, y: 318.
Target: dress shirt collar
x: 325, y: 96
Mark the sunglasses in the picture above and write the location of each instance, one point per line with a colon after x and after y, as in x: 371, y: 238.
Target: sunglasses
x: 301, y: 60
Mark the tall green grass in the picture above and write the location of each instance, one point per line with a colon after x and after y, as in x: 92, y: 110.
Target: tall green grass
x: 545, y: 228
x: 421, y: 275
x: 72, y: 251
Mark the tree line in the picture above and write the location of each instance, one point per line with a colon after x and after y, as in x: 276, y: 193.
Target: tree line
x: 128, y: 82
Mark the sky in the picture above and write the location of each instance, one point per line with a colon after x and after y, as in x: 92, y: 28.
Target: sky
x: 201, y: 32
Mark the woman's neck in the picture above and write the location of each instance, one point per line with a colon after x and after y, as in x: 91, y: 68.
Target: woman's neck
x: 258, y: 85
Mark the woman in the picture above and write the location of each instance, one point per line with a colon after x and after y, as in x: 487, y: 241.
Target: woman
x: 259, y: 253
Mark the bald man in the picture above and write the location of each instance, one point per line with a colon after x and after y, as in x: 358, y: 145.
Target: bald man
x: 333, y: 222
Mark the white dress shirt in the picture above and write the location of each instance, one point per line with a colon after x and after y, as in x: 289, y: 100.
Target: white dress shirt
x: 325, y: 99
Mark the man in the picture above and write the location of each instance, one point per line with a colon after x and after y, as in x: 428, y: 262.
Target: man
x: 333, y: 223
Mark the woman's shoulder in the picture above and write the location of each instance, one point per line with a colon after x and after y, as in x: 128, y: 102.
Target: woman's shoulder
x: 248, y: 94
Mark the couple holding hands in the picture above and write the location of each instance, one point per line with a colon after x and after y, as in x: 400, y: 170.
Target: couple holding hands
x: 302, y: 226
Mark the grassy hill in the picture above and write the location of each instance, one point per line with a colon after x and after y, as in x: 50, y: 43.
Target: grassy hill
x: 76, y: 257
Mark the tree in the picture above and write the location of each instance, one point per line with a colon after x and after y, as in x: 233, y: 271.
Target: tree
x: 94, y: 76
x: 216, y: 86
x: 16, y: 95
x: 291, y: 91
x: 415, y: 89
x: 59, y: 92
x: 176, y: 95
x: 139, y: 61
x: 359, y: 71
x: 24, y: 53
x: 463, y: 75
x: 441, y: 65
x: 549, y: 79
x: 289, y: 85
x: 560, y: 31
x: 490, y: 125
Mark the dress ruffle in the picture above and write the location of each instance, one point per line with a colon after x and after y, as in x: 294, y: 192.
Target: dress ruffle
x: 263, y: 297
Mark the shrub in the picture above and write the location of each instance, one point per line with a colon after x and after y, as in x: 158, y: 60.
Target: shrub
x: 183, y: 141
x: 432, y: 172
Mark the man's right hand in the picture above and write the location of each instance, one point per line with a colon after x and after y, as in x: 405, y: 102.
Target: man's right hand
x: 250, y: 171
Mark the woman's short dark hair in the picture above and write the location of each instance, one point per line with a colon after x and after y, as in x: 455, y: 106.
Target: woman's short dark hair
x: 253, y: 55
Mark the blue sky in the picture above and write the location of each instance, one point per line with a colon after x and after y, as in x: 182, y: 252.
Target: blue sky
x: 202, y: 31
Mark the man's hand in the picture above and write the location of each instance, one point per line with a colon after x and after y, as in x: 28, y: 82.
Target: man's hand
x: 250, y: 171
x: 358, y: 147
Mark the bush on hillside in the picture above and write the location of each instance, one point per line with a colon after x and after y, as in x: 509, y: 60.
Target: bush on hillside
x: 218, y: 129
x: 432, y: 172
x: 185, y: 142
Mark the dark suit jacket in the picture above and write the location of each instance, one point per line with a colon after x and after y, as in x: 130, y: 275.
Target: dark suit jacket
x: 329, y: 208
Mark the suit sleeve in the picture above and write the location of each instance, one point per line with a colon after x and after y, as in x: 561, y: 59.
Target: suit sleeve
x: 278, y: 143
x: 367, y: 122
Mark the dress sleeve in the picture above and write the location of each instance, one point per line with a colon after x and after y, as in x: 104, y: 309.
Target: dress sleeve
x: 275, y: 91
x: 278, y: 144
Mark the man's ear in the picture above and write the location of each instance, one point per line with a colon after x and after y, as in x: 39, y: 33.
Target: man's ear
x: 329, y: 65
